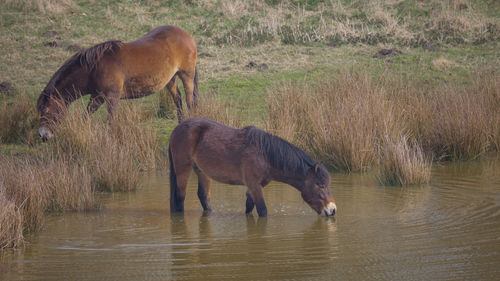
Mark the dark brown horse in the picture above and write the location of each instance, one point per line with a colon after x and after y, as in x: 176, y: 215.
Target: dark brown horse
x: 247, y: 156
x: 115, y: 70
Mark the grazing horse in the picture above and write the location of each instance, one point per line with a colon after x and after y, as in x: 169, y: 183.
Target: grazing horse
x: 247, y: 156
x: 114, y: 70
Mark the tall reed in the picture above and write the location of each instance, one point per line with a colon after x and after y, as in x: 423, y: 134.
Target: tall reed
x: 402, y: 163
x: 114, y: 153
x: 339, y: 120
x: 11, y: 222
x: 455, y: 122
x: 212, y: 107
x: 86, y: 154
x: 31, y: 188
x: 345, y: 119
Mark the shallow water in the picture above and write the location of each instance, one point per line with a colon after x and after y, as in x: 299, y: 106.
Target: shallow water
x: 447, y: 230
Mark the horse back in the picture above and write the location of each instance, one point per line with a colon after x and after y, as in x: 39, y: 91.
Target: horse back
x: 163, y: 47
x: 144, y: 66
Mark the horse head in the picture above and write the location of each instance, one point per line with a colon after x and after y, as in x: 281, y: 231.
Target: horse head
x: 65, y: 86
x: 51, y: 107
x: 316, y: 191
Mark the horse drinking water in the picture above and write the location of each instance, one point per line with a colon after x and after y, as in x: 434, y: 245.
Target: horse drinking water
x: 247, y: 156
x: 114, y: 70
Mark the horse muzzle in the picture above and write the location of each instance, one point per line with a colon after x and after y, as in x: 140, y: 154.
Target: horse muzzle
x: 45, y: 133
x: 329, y: 210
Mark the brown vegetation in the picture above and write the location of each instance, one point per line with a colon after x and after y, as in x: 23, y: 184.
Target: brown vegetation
x: 369, y: 22
x: 31, y: 188
x: 85, y: 155
x: 402, y: 163
x: 350, y: 120
x: 42, y: 6
x: 114, y: 154
x: 339, y: 120
x: 11, y: 222
x: 212, y: 107
x: 18, y: 118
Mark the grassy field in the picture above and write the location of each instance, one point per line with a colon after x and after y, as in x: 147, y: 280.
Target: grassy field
x: 391, y: 86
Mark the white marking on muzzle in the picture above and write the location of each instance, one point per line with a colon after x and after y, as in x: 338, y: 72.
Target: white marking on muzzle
x: 45, y: 133
x: 329, y: 210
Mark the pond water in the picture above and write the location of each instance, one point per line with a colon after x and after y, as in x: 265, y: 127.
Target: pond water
x: 447, y: 230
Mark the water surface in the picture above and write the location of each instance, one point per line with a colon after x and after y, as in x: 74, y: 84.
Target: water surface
x: 447, y: 230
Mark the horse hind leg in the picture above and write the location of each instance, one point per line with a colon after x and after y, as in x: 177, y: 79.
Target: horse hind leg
x: 176, y: 96
x: 179, y: 175
x: 203, y: 188
x: 188, y: 80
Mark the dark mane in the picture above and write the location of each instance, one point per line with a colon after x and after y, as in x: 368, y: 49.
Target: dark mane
x: 91, y: 56
x: 88, y: 59
x: 280, y: 153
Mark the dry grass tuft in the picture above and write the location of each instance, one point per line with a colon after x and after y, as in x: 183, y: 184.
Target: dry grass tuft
x: 336, y: 22
x: 31, y: 188
x: 401, y: 163
x: 464, y: 121
x: 212, y: 107
x: 84, y: 156
x: 442, y: 63
x: 344, y: 120
x: 18, y: 120
x: 459, y: 22
x: 114, y: 155
x: 42, y: 6
x: 11, y: 223
x: 339, y: 121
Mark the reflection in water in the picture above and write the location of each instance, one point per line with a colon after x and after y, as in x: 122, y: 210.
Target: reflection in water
x: 449, y: 229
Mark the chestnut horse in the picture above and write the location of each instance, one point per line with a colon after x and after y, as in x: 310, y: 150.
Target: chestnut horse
x: 247, y: 156
x: 114, y: 70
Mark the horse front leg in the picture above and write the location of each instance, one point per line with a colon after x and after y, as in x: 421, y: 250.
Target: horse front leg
x: 249, y: 204
x: 112, y: 105
x: 255, y: 191
x: 94, y: 103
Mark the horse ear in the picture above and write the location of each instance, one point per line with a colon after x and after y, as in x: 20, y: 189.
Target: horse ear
x: 316, y: 167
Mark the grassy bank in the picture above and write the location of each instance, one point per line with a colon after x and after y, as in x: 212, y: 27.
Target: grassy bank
x: 362, y: 85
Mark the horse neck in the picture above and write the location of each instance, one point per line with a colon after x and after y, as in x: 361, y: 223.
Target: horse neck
x: 291, y: 178
x: 67, y: 97
x: 74, y: 91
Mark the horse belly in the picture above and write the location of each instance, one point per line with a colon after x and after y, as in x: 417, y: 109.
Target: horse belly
x: 137, y: 87
x: 219, y: 166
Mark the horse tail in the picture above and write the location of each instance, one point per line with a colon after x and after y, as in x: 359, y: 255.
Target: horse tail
x: 195, y: 88
x: 173, y: 182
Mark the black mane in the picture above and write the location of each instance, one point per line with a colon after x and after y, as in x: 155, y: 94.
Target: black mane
x: 280, y: 153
